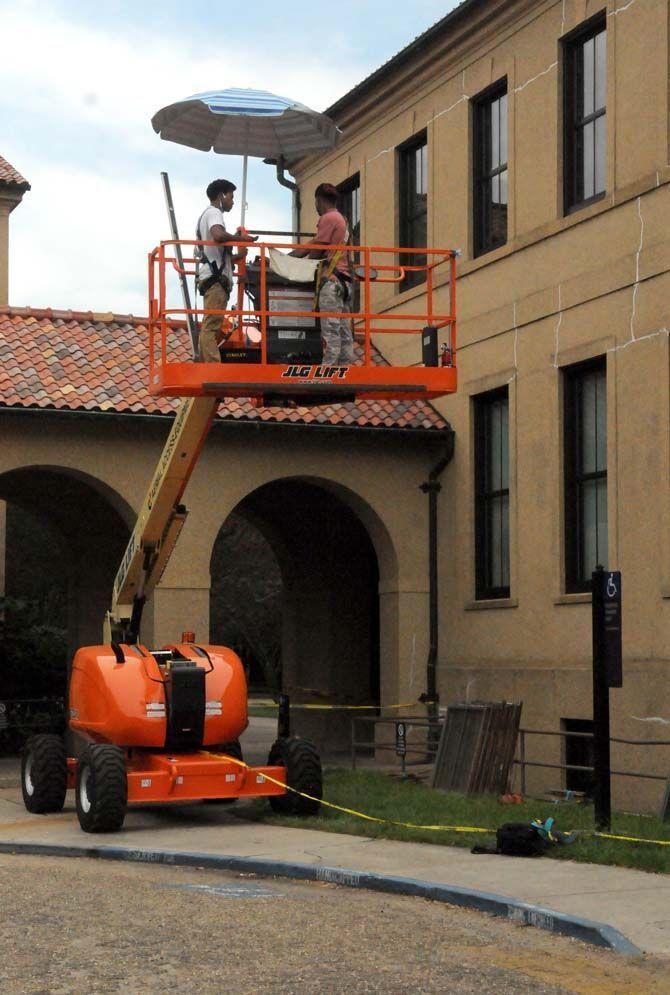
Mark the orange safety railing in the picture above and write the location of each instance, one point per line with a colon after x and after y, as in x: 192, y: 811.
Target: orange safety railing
x: 431, y: 375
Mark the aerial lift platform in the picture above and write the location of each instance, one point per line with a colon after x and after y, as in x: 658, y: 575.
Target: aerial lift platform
x: 164, y: 725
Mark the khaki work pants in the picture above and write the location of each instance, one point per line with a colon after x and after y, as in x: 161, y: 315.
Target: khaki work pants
x: 216, y: 299
x: 338, y: 339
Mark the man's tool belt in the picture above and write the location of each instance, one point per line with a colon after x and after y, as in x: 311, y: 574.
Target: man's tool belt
x: 204, y: 285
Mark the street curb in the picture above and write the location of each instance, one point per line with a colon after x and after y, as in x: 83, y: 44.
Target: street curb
x: 596, y: 933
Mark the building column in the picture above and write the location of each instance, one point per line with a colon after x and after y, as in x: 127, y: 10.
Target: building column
x: 9, y: 198
x: 404, y: 635
x: 173, y: 610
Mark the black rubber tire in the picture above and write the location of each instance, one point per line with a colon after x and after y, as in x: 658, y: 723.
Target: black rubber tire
x: 303, y: 772
x: 232, y: 749
x: 102, y: 788
x: 44, y: 774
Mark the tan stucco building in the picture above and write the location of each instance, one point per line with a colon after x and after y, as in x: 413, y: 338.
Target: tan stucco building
x: 533, y: 135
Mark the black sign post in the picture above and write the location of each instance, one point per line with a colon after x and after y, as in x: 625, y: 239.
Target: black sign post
x: 401, y: 743
x: 607, y: 673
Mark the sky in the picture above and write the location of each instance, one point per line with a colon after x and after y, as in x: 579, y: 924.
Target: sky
x: 79, y: 83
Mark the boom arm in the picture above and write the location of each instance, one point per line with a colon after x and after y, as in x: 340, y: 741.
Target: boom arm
x: 160, y: 520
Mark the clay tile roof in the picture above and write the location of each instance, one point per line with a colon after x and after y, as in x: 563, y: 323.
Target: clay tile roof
x: 11, y: 177
x: 88, y: 361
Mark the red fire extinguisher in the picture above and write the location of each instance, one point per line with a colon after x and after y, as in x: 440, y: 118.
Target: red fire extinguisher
x: 446, y: 358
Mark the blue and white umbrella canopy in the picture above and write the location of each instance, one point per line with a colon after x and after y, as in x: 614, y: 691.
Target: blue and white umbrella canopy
x: 246, y: 122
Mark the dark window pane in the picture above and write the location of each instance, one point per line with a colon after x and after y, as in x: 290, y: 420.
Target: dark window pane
x: 588, y: 79
x: 413, y: 164
x: 490, y: 179
x: 585, y: 434
x: 584, y: 114
x: 588, y: 165
x: 492, y: 495
x: 495, y: 134
x: 503, y: 128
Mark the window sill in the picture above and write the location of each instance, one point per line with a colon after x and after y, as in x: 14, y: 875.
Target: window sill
x: 583, y: 598
x: 478, y: 606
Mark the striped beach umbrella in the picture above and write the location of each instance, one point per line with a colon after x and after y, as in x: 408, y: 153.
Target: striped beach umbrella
x: 247, y: 123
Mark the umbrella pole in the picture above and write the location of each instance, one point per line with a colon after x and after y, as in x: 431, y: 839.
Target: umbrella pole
x: 244, y: 189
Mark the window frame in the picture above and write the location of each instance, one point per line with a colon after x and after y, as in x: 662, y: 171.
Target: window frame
x: 407, y: 219
x: 572, y: 48
x: 482, y: 140
x: 485, y: 498
x: 574, y: 476
x: 344, y: 190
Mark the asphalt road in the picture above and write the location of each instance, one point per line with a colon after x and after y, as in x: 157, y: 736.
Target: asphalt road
x: 82, y: 926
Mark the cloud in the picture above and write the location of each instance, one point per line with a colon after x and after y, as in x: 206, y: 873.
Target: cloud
x: 114, y: 81
x: 79, y: 243
x: 77, y: 101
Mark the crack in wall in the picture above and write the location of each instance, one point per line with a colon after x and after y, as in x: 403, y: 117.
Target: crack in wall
x: 515, y: 375
x: 637, y: 271
x: 544, y: 72
x: 620, y: 10
x: 392, y: 148
x: 558, y: 329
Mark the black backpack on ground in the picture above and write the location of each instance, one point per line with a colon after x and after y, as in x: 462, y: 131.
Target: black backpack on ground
x: 516, y: 839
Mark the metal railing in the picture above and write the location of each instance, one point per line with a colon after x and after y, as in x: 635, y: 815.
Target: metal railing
x: 565, y: 734
x: 424, y: 751
x: 377, y: 265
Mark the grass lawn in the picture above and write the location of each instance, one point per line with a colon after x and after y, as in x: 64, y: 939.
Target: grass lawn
x: 382, y: 796
x: 262, y: 711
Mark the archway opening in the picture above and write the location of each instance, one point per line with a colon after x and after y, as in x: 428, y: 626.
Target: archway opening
x: 61, y: 545
x: 327, y: 609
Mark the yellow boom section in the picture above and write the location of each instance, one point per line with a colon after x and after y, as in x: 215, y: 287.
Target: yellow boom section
x: 161, y: 517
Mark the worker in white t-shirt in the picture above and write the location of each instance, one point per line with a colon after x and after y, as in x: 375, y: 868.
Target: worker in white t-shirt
x: 215, y: 274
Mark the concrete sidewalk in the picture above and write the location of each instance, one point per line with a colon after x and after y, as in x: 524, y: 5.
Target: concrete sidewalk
x: 633, y: 902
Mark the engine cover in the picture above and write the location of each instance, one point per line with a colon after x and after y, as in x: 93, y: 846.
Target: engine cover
x: 185, y: 704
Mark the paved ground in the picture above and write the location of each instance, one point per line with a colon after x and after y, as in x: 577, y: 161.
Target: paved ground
x: 78, y: 926
x: 634, y: 902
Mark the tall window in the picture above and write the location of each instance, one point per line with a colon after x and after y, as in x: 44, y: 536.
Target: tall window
x: 584, y: 115
x: 492, y: 495
x: 490, y: 169
x: 350, y: 206
x: 585, y: 428
x: 413, y: 206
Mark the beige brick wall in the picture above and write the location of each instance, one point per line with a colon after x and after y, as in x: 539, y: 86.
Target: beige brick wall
x: 561, y: 290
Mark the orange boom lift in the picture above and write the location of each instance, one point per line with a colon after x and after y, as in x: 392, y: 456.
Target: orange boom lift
x: 164, y: 725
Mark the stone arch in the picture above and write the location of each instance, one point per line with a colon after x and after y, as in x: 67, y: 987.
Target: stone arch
x: 334, y: 553
x: 93, y: 522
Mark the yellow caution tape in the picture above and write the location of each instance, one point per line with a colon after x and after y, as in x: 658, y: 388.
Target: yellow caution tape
x: 340, y: 708
x: 412, y: 825
x: 351, y: 811
x: 630, y: 839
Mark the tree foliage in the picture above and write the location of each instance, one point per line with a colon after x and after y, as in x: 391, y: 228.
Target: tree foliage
x: 246, y: 600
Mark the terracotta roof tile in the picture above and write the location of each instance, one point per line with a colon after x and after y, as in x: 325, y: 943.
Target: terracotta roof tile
x: 84, y: 360
x: 11, y: 177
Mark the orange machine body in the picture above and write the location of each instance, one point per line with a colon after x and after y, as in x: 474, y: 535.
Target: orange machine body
x: 125, y: 703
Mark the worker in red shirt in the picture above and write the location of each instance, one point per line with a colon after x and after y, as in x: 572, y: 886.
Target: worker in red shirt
x: 335, y: 280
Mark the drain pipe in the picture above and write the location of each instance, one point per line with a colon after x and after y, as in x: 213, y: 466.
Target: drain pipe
x: 432, y: 488
x: 280, y: 165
